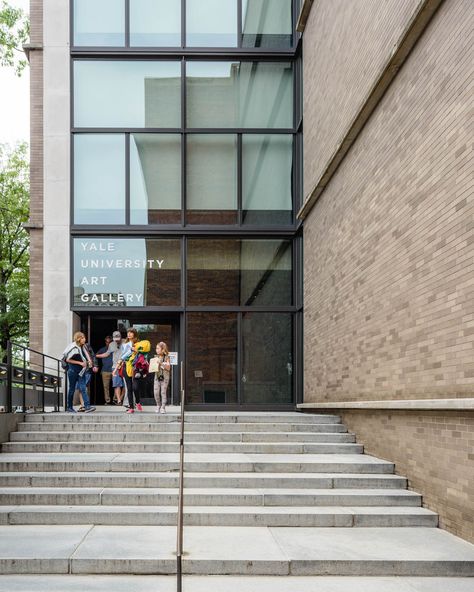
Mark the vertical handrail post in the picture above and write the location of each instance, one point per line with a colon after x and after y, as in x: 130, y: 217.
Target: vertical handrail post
x: 9, y: 376
x: 24, y: 381
x: 179, y: 542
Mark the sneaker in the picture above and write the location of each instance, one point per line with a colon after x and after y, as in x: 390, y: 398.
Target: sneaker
x: 130, y: 411
x: 139, y: 407
x: 162, y: 410
x: 71, y: 410
x: 89, y: 409
x: 157, y: 410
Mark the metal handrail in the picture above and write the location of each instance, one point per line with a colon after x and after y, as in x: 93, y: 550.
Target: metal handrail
x: 179, y: 541
x: 45, y: 376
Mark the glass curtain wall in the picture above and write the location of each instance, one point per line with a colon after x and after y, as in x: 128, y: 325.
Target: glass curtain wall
x: 185, y: 141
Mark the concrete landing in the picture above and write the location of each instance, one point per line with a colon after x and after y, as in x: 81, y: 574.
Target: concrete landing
x: 234, y: 550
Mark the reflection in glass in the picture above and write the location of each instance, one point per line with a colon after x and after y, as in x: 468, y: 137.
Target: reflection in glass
x: 267, y: 359
x: 133, y: 272
x: 155, y: 23
x: 155, y: 179
x: 266, y: 23
x: 211, y: 23
x: 211, y: 358
x: 211, y: 179
x: 99, y: 24
x: 240, y: 94
x: 99, y: 179
x: 233, y: 272
x: 127, y: 93
x: 267, y: 162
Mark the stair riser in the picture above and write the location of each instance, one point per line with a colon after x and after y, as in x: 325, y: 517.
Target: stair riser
x: 197, y: 467
x: 111, y: 480
x: 137, y: 447
x: 113, y: 499
x: 174, y: 437
x: 196, y: 418
x: 145, y: 518
x: 158, y: 426
x: 349, y: 567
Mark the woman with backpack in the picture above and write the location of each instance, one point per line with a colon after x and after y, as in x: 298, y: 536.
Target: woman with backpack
x: 78, y: 363
x: 134, y: 365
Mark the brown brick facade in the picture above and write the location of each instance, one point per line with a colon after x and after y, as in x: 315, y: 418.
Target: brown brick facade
x: 389, y: 247
x: 435, y: 450
x: 36, y: 177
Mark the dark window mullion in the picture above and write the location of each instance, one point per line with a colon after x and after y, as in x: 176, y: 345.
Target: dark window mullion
x: 127, y: 23
x: 127, y: 180
x: 240, y: 182
x: 183, y: 143
x: 183, y: 24
x: 239, y: 23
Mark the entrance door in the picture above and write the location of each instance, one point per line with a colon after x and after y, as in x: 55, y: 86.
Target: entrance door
x: 153, y: 327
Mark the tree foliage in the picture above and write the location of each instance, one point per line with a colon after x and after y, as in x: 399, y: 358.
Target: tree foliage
x: 14, y: 245
x: 14, y: 32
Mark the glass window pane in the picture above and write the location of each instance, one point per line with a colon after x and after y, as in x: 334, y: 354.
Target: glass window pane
x: 267, y: 359
x: 127, y: 94
x: 211, y: 179
x: 267, y: 165
x: 99, y: 179
x: 155, y: 179
x: 134, y: 272
x: 211, y: 23
x: 266, y: 23
x: 211, y: 358
x: 232, y: 272
x: 240, y: 94
x: 155, y: 23
x: 99, y: 24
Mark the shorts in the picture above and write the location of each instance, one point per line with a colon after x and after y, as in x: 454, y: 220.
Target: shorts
x: 117, y: 381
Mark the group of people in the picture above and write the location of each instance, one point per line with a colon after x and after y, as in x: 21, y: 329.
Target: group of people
x: 125, y: 364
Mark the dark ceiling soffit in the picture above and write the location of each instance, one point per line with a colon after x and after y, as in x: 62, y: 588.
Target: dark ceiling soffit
x: 402, y: 50
x: 304, y: 14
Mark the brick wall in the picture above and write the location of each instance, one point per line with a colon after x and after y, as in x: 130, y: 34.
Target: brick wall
x: 346, y: 46
x: 389, y: 246
x: 36, y: 177
x: 434, y: 450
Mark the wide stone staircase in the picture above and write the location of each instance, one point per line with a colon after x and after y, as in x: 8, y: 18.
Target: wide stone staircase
x: 266, y: 494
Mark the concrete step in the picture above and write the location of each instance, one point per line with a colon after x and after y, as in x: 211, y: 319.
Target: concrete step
x: 259, y: 516
x: 200, y: 463
x: 86, y: 549
x: 196, y: 447
x: 226, y: 480
x: 196, y: 417
x: 130, y: 583
x: 157, y: 437
x: 154, y: 424
x: 149, y: 496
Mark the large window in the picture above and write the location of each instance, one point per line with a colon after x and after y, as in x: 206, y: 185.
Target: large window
x: 99, y: 179
x: 239, y: 94
x: 130, y: 94
x: 155, y: 179
x: 233, y: 272
x: 211, y: 179
x: 100, y: 24
x: 267, y: 179
x: 155, y: 23
x: 127, y: 272
x: 207, y: 23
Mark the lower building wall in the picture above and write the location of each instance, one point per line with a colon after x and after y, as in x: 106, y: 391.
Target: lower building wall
x: 433, y: 449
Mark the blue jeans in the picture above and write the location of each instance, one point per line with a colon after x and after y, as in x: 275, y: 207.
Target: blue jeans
x: 79, y: 382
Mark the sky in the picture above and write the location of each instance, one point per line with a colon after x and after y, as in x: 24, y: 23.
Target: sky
x: 15, y: 99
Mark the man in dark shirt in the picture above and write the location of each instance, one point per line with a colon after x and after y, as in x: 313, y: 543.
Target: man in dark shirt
x: 107, y: 360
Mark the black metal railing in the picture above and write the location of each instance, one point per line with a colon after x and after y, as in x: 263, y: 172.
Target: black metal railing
x: 29, y: 380
x: 179, y: 538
